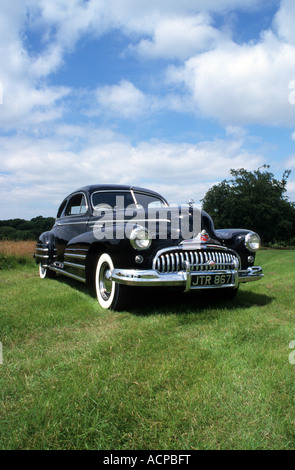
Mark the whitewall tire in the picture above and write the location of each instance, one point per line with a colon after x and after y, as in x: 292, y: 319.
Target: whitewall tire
x: 110, y: 295
x: 45, y: 272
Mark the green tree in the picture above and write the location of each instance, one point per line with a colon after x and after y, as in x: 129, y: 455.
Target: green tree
x: 253, y: 200
x: 20, y: 229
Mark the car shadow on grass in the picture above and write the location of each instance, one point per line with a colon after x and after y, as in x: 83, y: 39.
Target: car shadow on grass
x: 170, y: 302
x: 164, y: 301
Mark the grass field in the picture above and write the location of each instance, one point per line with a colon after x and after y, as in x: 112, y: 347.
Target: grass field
x: 13, y: 254
x: 173, y: 372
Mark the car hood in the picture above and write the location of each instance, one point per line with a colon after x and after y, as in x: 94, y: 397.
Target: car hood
x: 176, y: 223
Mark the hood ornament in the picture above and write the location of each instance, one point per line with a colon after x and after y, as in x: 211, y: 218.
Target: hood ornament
x: 203, y: 237
x: 200, y: 239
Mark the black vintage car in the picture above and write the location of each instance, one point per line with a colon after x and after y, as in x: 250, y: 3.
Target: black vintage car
x: 119, y: 237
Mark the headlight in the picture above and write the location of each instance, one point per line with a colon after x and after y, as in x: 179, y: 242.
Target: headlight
x: 252, y: 241
x: 141, y: 238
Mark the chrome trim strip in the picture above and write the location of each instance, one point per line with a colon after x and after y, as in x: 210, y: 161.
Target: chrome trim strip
x: 74, y: 265
x: 126, y: 221
x: 58, y: 224
x: 76, y: 249
x: 66, y: 273
x: 75, y: 255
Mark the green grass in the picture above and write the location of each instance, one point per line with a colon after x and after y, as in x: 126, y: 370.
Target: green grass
x: 174, y: 372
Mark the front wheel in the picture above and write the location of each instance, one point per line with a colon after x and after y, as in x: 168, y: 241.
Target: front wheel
x: 109, y: 294
x: 45, y: 272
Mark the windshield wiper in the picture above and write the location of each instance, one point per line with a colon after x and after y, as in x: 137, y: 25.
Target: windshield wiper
x: 134, y: 198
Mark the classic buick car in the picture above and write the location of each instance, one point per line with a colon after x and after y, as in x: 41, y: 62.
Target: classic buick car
x: 119, y: 237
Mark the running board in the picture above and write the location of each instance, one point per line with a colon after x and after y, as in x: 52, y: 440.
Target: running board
x: 74, y: 276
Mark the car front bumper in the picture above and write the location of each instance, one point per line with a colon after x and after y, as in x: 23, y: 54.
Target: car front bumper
x: 187, y: 278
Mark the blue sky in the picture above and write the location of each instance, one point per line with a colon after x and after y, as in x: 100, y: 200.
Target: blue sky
x: 158, y: 93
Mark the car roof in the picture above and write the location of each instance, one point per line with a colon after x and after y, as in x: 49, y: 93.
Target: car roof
x: 115, y: 187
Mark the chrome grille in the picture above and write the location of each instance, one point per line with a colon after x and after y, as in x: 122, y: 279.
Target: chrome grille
x: 174, y: 261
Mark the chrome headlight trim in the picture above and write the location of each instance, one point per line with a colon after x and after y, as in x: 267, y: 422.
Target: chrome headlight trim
x: 252, y: 241
x: 140, y: 238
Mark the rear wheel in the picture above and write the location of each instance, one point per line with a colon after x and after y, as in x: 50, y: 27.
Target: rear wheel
x: 109, y: 294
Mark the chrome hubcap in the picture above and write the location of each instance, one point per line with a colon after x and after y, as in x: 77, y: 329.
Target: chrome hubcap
x: 105, y: 282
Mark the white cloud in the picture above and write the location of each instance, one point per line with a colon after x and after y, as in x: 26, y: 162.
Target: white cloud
x: 242, y: 84
x: 26, y: 99
x: 284, y: 21
x: 179, y: 38
x: 62, y: 22
x: 123, y: 99
x: 171, y: 29
x: 236, y: 84
x: 25, y: 105
x: 43, y: 171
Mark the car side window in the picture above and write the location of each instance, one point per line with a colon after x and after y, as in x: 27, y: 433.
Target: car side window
x: 76, y: 205
x: 61, y: 208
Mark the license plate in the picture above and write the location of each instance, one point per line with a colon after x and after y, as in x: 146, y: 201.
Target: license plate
x: 211, y: 280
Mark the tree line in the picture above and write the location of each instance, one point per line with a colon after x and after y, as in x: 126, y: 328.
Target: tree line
x: 20, y: 229
x: 254, y: 200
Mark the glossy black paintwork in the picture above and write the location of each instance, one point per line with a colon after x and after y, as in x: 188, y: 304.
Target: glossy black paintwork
x: 73, y: 244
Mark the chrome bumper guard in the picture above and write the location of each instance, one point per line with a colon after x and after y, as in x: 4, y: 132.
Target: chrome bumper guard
x: 186, y: 278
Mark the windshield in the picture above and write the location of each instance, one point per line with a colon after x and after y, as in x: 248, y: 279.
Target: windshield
x: 123, y: 199
x: 149, y: 200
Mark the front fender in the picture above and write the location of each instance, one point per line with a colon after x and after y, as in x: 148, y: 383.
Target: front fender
x: 235, y: 239
x: 45, y: 249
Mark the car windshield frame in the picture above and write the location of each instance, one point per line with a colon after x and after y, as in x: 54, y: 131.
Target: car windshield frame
x: 135, y: 198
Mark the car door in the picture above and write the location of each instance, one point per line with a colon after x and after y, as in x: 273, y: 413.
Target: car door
x: 73, y: 221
